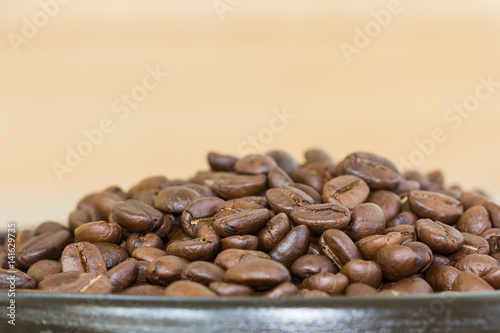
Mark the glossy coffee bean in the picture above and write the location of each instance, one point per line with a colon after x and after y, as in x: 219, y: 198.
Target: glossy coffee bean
x: 245, y: 222
x: 337, y: 246
x: 105, y: 201
x: 204, y: 247
x: 317, y: 156
x: 187, y: 288
x: 492, y: 236
x: 199, y: 213
x: 388, y: 201
x: 424, y: 253
x: 111, y: 253
x: 83, y: 257
x: 204, y: 191
x: 88, y: 283
x: 405, y: 230
x: 435, y: 206
x: 330, y: 283
x: 360, y: 289
x: 294, y: 245
x: 473, y: 198
x: 255, y: 164
x: 230, y: 289
x: 370, y: 246
x: 230, y: 257
x: 142, y: 272
x: 440, y: 277
x: 144, y: 290
x: 398, y: 262
x: 306, y: 293
x: 166, y: 226
x: 123, y: 275
x: 412, y: 286
x: 152, y: 183
x: 245, y: 242
x: 148, y: 254
x: 348, y: 191
x: 406, y: 186
x: 274, y: 231
x: 378, y: 172
x: 45, y: 246
x: 285, y: 289
x: 56, y: 281
x: 43, y: 269
x: 361, y: 271
x: 164, y: 270
x: 474, y: 220
x: 22, y: 237
x: 231, y: 186
x: 136, y: 240
x: 202, y: 272
x: 21, y: 280
x: 309, y: 265
x: 493, y: 278
x: 467, y: 281
x: 494, y: 212
x: 319, y: 218
x: 315, y: 175
x: 317, y: 198
x: 77, y: 218
x: 260, y: 274
x: 99, y: 232
x: 136, y: 216
x: 366, y: 219
x: 440, y: 237
x: 286, y: 199
x: 219, y: 162
x: 403, y: 218
x: 278, y: 178
x: 174, y: 199
x: 49, y: 226
x: 284, y: 160
x: 479, y: 264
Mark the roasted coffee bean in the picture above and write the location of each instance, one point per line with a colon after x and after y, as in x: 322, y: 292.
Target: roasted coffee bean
x: 389, y: 202
x: 404, y: 229
x: 230, y: 289
x: 22, y: 237
x: 43, y: 269
x: 479, y: 264
x: 370, y: 246
x: 412, y: 286
x: 136, y: 240
x: 317, y: 156
x: 284, y: 160
x: 112, y: 254
x: 317, y: 198
x: 105, y: 201
x: 230, y: 257
x: 144, y: 290
x: 174, y: 199
x: 306, y: 293
x: 366, y: 219
x: 152, y: 183
x: 245, y: 242
x: 142, y: 272
x: 199, y: 213
x: 136, y: 216
x: 425, y: 254
x: 330, y: 283
x: 202, y: 272
x: 360, y: 289
x: 14, y: 277
x: 219, y: 162
x: 467, y: 281
x: 403, y: 218
x: 492, y: 236
x: 473, y: 198
x: 49, y: 226
x: 398, y: 262
x: 88, y: 283
x: 77, y: 218
x: 255, y: 164
x: 435, y: 206
x: 312, y: 175
x: 178, y: 234
x: 204, y: 247
x: 454, y: 192
x: 421, y: 178
x: 56, y: 281
x: 166, y: 226
x: 260, y: 274
x: 361, y: 271
x: 309, y: 265
x: 246, y: 222
x: 285, y: 289
x: 439, y: 259
x: 275, y: 230
x: 148, y: 254
x: 164, y: 270
x: 294, y: 245
x: 378, y: 172
x: 231, y: 186
x: 348, y: 191
x: 441, y: 238
x: 319, y: 218
x: 285, y: 199
x: 441, y: 277
x: 187, y: 288
x: 493, y: 278
x: 123, y: 275
x: 146, y: 196
x: 87, y: 202
x: 474, y: 220
x: 494, y: 212
x: 406, y: 186
x: 204, y: 191
x: 45, y: 246
x: 337, y: 246
x: 83, y: 257
x: 99, y: 232
x: 278, y: 178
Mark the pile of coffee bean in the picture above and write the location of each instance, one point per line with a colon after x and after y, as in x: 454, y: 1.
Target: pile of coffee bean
x: 266, y: 226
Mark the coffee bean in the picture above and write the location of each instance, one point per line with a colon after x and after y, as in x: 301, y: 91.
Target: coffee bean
x: 285, y: 289
x: 112, y: 254
x: 406, y: 186
x: 492, y: 236
x: 360, y: 289
x: 230, y: 257
x: 136, y: 240
x: 22, y: 237
x: 348, y: 191
x: 174, y: 199
x: 278, y: 178
x: 142, y: 272
x: 144, y: 290
x: 246, y: 222
x: 45, y: 246
x: 83, y: 257
x: 230, y: 289
x: 219, y: 162
x: 105, y: 200
x: 231, y: 186
x: 439, y: 259
x: 136, y: 216
x: 284, y: 160
x: 123, y: 275
x: 319, y: 218
x: 317, y: 155
x: 473, y: 198
x: 306, y: 293
x: 275, y: 230
x: 330, y: 283
x: 260, y: 274
x: 494, y: 212
x: 77, y: 218
x: 202, y: 248
x: 474, y: 220
x: 479, y: 264
x: 398, y: 262
x: 188, y: 289
x: 467, y: 281
x: 312, y: 175
x: 366, y: 219
x: 493, y: 278
x: 198, y: 213
x: 202, y: 272
x: 285, y: 199
x: 309, y: 265
x: 405, y: 230
x: 424, y: 253
x: 337, y: 246
x: 361, y: 271
x: 166, y: 226
x: 255, y: 164
x: 148, y: 254
x: 49, y: 226
x: 370, y: 246
x: 21, y: 280
x: 56, y: 281
x: 166, y: 269
x: 43, y: 269
x: 152, y: 183
x: 99, y: 232
x: 441, y: 238
x: 409, y: 218
x: 441, y: 277
x: 412, y: 286
x: 88, y: 283
x: 435, y: 206
x: 245, y: 242
x: 389, y: 202
x: 294, y: 245
x: 204, y: 191
x: 317, y: 198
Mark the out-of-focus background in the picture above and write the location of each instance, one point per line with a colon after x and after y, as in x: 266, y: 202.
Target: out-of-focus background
x: 98, y: 93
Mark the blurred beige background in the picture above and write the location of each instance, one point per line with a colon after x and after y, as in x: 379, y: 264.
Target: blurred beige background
x: 232, y: 66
